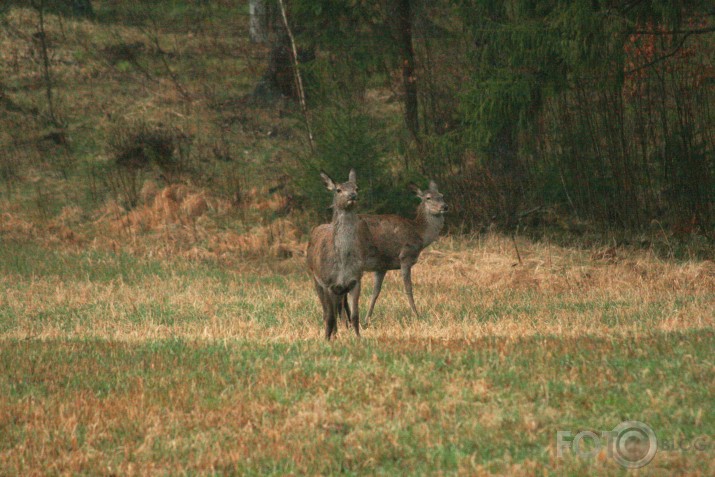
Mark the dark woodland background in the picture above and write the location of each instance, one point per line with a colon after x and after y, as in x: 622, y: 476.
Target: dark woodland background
x: 587, y: 118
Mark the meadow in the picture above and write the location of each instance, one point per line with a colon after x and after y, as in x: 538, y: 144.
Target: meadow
x: 115, y: 363
x: 162, y: 321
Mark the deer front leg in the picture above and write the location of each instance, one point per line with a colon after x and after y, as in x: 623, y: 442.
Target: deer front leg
x: 355, y: 308
x: 344, y: 307
x: 406, y: 269
x: 322, y: 295
x: 331, y: 317
x: 379, y: 277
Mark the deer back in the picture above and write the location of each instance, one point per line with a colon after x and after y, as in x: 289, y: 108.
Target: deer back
x: 390, y: 237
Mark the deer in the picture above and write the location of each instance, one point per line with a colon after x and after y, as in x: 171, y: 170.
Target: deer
x: 335, y: 255
x: 395, y: 243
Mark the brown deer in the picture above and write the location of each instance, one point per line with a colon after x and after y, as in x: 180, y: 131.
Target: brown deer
x: 335, y: 255
x: 396, y: 242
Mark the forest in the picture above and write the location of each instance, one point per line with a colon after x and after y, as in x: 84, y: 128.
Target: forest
x: 578, y: 116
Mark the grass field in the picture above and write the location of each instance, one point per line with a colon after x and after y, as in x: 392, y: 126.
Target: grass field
x: 120, y: 364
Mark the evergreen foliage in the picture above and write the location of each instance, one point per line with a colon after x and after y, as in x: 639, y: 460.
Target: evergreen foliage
x: 596, y: 109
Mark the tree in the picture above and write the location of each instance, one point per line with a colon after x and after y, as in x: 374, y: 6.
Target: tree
x: 41, y: 36
x: 258, y: 21
x: 546, y: 63
x: 403, y: 19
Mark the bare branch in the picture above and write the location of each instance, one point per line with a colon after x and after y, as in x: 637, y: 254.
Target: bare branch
x: 660, y: 58
x: 296, y: 71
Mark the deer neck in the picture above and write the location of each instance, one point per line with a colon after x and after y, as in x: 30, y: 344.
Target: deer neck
x: 428, y: 225
x: 345, y: 234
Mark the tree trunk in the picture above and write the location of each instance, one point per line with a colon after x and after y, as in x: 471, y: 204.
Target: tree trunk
x: 404, y: 28
x: 279, y: 79
x: 41, y: 36
x: 258, y: 21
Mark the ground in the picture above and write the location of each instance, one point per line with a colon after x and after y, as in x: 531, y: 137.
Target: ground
x: 123, y: 365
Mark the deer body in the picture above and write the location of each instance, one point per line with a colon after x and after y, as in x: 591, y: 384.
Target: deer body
x: 335, y: 256
x: 396, y: 242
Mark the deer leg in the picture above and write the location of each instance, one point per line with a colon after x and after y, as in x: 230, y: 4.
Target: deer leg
x: 328, y: 309
x: 407, y: 278
x: 331, y: 318
x: 354, y: 304
x: 346, y: 308
x: 321, y: 295
x: 379, y: 276
x: 341, y: 303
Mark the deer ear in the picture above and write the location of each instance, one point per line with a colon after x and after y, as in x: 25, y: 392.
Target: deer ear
x: 327, y: 181
x: 413, y: 187
x: 352, y: 177
x: 433, y: 186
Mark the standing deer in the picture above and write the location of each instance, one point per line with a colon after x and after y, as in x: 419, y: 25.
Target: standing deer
x: 396, y: 242
x: 335, y: 255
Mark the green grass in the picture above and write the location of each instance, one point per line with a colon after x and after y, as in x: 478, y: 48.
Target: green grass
x: 118, y: 363
x: 30, y: 260
x: 357, y: 408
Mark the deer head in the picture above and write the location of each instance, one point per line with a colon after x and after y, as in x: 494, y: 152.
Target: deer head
x: 432, y: 199
x: 345, y: 195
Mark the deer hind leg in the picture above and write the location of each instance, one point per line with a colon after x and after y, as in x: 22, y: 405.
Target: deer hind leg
x: 379, y: 277
x: 406, y: 269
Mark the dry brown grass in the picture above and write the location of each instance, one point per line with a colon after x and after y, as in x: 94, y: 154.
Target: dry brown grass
x: 466, y: 290
x: 174, y: 221
x: 257, y: 387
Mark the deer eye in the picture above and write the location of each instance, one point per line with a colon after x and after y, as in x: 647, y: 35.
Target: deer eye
x: 339, y: 190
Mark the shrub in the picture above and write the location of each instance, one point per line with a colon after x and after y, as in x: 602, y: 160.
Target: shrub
x: 347, y: 137
x: 137, y: 149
